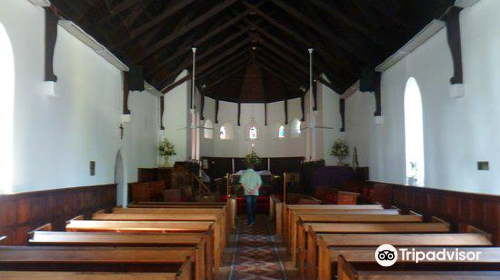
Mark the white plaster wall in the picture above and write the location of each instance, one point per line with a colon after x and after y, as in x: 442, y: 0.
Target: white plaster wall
x: 175, y: 120
x: 55, y: 138
x: 457, y: 132
x: 329, y: 116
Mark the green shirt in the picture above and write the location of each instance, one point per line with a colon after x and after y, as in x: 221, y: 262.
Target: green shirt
x: 251, y: 179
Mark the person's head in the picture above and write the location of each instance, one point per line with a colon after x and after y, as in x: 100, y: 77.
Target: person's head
x: 250, y: 165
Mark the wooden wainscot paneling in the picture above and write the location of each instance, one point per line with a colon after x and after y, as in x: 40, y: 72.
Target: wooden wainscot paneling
x: 460, y: 209
x: 23, y: 212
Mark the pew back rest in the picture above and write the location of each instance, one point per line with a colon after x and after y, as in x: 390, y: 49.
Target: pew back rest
x: 46, y: 227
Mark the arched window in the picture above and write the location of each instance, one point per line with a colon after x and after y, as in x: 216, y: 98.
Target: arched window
x: 414, y: 134
x: 252, y: 133
x: 222, y: 132
x: 7, y: 80
x: 208, y: 131
x: 295, y: 128
x: 281, y: 132
x: 226, y: 132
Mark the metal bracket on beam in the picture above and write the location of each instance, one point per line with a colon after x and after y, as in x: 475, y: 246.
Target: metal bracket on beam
x: 162, y: 110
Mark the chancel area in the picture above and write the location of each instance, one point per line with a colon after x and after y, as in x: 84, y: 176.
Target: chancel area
x: 247, y: 139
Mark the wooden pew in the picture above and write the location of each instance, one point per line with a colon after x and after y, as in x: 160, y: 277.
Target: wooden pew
x: 349, y: 216
x: 328, y: 243
x: 217, y: 219
x: 276, y: 214
x: 224, y: 228
x: 351, y: 261
x: 3, y: 239
x: 302, y: 207
x: 222, y: 210
x: 107, y: 239
x: 294, y: 219
x: 313, y: 229
x: 299, y: 234
x: 152, y: 227
x: 95, y: 259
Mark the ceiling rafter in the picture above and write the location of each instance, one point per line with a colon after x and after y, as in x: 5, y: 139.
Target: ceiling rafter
x: 334, y: 39
x: 200, y: 20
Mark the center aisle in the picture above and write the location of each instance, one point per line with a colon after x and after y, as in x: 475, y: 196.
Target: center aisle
x: 256, y: 255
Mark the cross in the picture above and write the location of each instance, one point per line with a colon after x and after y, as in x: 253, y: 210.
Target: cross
x: 121, y: 131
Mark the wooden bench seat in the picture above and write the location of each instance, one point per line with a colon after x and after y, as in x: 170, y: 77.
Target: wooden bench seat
x: 290, y: 210
x: 313, y: 229
x: 51, y: 275
x: 351, y: 261
x: 217, y: 219
x: 107, y: 239
x: 95, y: 259
x: 299, y: 235
x: 151, y: 227
x: 222, y: 211
x: 329, y: 243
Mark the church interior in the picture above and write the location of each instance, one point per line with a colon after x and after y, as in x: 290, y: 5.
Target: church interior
x: 249, y: 139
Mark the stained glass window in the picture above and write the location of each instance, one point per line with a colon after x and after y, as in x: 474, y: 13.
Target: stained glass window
x: 281, y: 132
x: 253, y: 133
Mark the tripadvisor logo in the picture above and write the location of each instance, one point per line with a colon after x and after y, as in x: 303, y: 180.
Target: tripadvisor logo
x: 386, y: 255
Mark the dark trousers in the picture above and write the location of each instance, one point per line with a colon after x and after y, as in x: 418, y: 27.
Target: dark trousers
x: 251, y: 208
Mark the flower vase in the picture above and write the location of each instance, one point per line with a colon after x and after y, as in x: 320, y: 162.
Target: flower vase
x: 340, y: 162
x: 166, y: 163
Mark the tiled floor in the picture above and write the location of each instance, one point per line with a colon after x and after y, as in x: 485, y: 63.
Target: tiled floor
x: 254, y: 253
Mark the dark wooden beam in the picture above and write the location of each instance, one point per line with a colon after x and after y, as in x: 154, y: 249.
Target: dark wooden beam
x: 302, y: 108
x: 203, y: 52
x: 342, y: 113
x: 179, y: 5
x: 378, y: 94
x: 334, y: 39
x: 205, y: 65
x: 174, y: 85
x: 276, y: 73
x: 224, y: 77
x: 195, y: 23
x: 286, y: 110
x: 265, y: 113
x: 202, y: 109
x: 162, y: 110
x: 369, y: 33
x: 217, y: 111
x: 126, y: 92
x: 51, y: 20
x: 452, y: 19
x: 239, y: 113
x: 221, y: 68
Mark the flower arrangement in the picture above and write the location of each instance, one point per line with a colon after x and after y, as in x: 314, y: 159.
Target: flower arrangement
x: 340, y: 150
x: 166, y: 148
x: 253, y: 159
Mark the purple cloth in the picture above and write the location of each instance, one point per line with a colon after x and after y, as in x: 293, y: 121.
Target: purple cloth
x: 332, y: 176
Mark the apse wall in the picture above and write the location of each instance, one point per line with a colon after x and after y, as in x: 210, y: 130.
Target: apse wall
x: 458, y: 132
x: 55, y: 138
